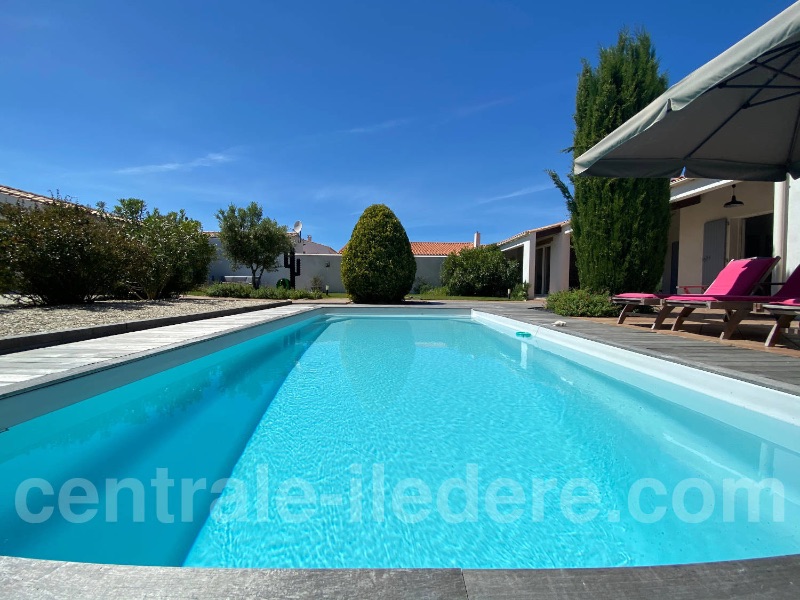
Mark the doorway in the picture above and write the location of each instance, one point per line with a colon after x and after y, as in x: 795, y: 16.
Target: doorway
x: 541, y: 284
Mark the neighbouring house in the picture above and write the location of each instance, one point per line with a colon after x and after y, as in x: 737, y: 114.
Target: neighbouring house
x: 318, y: 260
x: 546, y: 257
x: 430, y: 257
x: 9, y: 195
x: 315, y: 260
x: 707, y: 230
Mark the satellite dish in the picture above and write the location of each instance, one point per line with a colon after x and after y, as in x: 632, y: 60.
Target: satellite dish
x: 298, y: 227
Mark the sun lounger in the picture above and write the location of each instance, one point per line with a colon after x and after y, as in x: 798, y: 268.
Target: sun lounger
x: 784, y: 312
x: 739, y: 277
x: 736, y: 307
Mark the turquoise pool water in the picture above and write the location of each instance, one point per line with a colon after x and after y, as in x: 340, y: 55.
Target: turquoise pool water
x: 389, y: 442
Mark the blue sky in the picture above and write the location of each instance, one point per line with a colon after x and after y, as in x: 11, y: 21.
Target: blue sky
x: 449, y: 111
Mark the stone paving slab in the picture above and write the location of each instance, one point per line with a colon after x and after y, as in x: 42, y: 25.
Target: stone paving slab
x: 29, y: 365
x: 34, y: 579
x: 771, y: 578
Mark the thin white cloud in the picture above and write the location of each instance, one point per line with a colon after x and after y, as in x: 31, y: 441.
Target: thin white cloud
x: 466, y: 111
x: 209, y: 160
x: 526, y: 191
x: 385, y: 125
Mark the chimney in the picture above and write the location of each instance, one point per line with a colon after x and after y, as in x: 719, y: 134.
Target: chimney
x: 309, y: 238
x: 476, y: 242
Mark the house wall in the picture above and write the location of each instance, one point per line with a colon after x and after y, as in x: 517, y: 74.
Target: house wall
x: 792, y: 232
x: 559, y: 260
x: 429, y: 269
x: 758, y: 200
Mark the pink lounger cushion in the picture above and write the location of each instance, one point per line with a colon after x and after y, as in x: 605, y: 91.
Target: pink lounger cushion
x: 707, y: 298
x: 638, y: 296
x: 740, y: 277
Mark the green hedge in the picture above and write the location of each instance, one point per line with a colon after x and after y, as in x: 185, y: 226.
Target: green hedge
x: 62, y: 253
x: 239, y: 290
x: 580, y: 303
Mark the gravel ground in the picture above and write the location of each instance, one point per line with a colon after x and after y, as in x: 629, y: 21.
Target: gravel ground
x: 35, y: 319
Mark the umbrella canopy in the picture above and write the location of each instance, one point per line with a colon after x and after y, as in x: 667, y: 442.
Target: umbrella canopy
x: 736, y: 117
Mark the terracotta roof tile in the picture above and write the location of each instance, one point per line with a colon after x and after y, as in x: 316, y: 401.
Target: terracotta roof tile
x: 433, y: 248
x: 438, y: 248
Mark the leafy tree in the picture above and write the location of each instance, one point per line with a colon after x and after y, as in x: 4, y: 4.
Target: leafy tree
x: 130, y: 209
x: 61, y: 253
x: 377, y: 263
x: 172, y: 255
x: 620, y: 227
x: 252, y: 240
x: 482, y: 271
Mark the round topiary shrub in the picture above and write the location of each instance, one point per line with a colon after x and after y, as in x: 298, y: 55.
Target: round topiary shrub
x: 377, y: 263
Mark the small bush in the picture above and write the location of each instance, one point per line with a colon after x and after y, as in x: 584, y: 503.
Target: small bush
x: 435, y: 291
x: 238, y: 290
x: 229, y: 290
x: 377, y: 263
x: 482, y: 271
x: 316, y: 284
x: 279, y: 293
x: 580, y: 303
x: 519, y: 291
x: 421, y: 286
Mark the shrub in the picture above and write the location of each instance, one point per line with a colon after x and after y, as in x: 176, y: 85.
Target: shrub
x: 175, y: 258
x: 435, y: 291
x: 239, y: 290
x: 581, y: 303
x: 482, y: 271
x: 62, y: 253
x: 519, y: 291
x: 229, y: 290
x: 377, y: 263
x: 421, y: 286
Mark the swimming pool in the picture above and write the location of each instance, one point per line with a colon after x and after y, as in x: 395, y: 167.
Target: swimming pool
x: 347, y: 440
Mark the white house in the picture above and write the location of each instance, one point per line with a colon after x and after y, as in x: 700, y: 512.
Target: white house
x: 707, y: 229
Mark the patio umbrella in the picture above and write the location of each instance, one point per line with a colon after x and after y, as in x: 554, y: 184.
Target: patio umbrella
x: 736, y: 117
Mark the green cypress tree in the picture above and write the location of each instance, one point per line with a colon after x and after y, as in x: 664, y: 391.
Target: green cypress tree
x: 377, y: 263
x: 620, y: 227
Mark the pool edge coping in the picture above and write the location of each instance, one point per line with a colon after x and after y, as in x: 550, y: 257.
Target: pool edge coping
x: 776, y: 578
